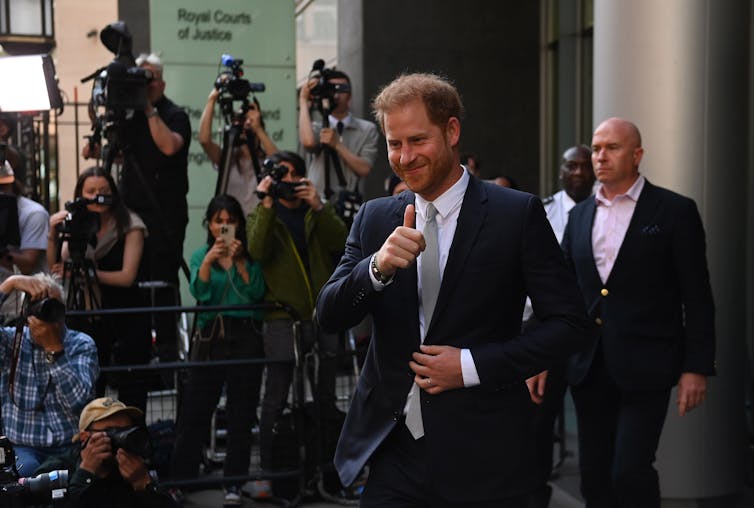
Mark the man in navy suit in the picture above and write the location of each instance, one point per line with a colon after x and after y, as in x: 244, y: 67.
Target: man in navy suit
x: 639, y: 255
x: 441, y: 410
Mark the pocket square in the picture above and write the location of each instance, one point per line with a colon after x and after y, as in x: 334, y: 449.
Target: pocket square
x: 651, y: 229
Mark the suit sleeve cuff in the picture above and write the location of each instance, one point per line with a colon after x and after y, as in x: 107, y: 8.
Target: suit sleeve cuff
x: 468, y: 369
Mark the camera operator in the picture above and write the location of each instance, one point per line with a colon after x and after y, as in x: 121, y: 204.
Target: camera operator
x: 295, y: 237
x: 353, y: 139
x: 154, y: 184
x: 115, y: 257
x: 47, y: 377
x: 242, y: 180
x: 107, y: 468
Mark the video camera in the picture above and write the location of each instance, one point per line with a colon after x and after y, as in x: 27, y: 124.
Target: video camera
x: 80, y: 226
x: 323, y: 93
x: 279, y: 188
x: 42, y: 488
x: 121, y: 86
x: 231, y: 83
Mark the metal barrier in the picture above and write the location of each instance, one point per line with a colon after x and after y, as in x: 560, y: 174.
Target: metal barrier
x: 166, y: 403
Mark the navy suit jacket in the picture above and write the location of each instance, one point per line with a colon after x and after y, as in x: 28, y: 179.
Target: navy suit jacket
x: 477, y: 438
x: 655, y: 311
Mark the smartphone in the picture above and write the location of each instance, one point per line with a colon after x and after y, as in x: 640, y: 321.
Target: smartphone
x: 228, y: 233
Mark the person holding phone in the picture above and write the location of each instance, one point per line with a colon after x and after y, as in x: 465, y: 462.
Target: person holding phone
x: 223, y: 273
x: 110, y: 238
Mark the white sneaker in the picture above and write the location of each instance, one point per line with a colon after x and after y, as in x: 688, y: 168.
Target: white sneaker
x: 232, y: 496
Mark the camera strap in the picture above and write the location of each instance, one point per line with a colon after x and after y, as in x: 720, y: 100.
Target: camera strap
x: 16, y: 350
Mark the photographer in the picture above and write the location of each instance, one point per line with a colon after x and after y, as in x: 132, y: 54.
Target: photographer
x: 159, y: 141
x: 353, y: 140
x: 108, y: 467
x: 242, y: 180
x: 49, y: 379
x: 294, y: 236
x: 116, y: 254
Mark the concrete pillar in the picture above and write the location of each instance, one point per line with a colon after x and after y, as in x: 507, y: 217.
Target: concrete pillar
x: 679, y: 70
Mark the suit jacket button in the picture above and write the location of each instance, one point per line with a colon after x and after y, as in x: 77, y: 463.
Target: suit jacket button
x: 604, y: 292
x: 598, y: 321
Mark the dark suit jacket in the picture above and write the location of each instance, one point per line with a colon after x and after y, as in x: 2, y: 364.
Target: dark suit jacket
x: 656, y: 309
x: 477, y: 438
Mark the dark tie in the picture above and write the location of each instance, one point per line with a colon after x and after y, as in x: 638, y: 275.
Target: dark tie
x: 340, y: 128
x: 430, y: 278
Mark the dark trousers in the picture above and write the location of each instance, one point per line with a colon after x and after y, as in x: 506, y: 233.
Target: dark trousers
x: 543, y: 423
x: 161, y: 261
x: 278, y: 346
x: 618, y: 435
x: 399, y: 477
x: 202, y: 393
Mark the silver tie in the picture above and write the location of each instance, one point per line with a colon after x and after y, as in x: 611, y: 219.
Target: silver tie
x: 430, y: 277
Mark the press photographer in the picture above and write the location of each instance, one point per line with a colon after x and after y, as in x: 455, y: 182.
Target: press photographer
x: 295, y: 238
x: 153, y: 143
x: 109, y: 466
x: 245, y: 141
x: 96, y: 245
x: 47, y: 372
x: 341, y: 147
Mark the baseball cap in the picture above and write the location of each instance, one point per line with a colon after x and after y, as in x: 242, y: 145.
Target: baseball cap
x: 6, y: 174
x: 103, y: 407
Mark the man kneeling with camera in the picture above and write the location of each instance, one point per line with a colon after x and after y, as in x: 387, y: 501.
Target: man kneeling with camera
x: 110, y: 467
x: 47, y: 372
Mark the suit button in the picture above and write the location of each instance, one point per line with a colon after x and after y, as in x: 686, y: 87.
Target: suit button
x: 598, y: 321
x: 604, y: 292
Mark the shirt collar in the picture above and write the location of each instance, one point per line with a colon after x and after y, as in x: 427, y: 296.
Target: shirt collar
x: 447, y: 201
x: 632, y: 193
x: 346, y: 121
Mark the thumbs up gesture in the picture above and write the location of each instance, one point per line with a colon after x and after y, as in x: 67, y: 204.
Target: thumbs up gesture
x: 403, y: 245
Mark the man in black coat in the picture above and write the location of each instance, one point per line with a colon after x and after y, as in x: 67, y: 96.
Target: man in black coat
x: 639, y: 256
x: 441, y: 410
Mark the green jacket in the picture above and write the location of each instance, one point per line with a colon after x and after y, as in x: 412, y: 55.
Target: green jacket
x: 271, y: 244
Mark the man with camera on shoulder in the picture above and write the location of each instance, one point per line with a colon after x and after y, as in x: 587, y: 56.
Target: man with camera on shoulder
x: 295, y: 237
x: 47, y: 373
x: 339, y: 139
x: 109, y: 465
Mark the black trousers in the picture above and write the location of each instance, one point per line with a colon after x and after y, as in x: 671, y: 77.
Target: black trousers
x: 203, y: 389
x: 618, y: 435
x: 399, y: 477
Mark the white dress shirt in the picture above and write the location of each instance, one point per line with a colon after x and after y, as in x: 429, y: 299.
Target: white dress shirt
x: 448, y: 207
x: 611, y: 220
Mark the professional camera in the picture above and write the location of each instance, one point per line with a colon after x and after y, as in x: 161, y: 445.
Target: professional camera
x: 134, y: 440
x: 81, y: 226
x: 49, y: 310
x: 323, y: 93
x: 42, y: 488
x: 231, y: 83
x: 279, y: 188
x: 121, y: 86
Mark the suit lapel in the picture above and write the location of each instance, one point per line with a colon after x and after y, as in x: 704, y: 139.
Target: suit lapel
x: 470, y: 220
x: 406, y: 281
x: 645, y: 206
x: 587, y: 225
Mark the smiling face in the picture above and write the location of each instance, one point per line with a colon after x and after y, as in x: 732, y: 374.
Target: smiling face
x: 96, y: 186
x: 422, y: 154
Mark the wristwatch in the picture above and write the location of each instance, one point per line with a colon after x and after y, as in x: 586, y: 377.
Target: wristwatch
x: 381, y: 277
x: 51, y: 356
x: 152, y: 113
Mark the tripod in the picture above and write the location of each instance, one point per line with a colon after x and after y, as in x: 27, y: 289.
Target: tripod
x: 231, y: 134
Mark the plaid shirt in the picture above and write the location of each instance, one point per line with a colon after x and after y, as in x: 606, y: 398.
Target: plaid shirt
x: 48, y: 396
